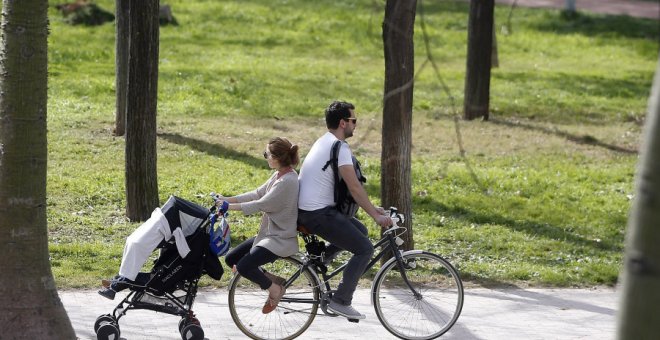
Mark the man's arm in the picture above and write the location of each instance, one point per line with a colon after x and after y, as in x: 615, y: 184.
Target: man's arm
x: 347, y: 173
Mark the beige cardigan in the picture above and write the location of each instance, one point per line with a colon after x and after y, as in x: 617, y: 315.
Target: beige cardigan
x: 278, y: 200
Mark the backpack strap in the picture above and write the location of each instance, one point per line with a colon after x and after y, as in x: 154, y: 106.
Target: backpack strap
x: 334, y: 155
x: 334, y: 161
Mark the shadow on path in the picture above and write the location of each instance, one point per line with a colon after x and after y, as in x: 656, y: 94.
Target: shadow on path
x: 531, y: 297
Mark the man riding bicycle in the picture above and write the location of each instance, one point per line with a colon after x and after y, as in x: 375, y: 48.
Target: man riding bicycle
x: 316, y: 204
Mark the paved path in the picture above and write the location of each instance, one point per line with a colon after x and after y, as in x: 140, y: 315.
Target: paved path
x: 634, y: 8
x: 529, y: 314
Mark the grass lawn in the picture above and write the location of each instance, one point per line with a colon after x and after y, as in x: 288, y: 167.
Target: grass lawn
x: 540, y: 198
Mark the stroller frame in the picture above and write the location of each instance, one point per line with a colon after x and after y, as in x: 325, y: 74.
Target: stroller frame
x: 177, y: 300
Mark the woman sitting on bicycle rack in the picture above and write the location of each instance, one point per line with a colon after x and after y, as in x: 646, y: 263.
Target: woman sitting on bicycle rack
x: 277, y: 237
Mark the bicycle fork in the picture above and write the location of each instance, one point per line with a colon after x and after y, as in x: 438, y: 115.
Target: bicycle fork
x: 394, y: 243
x: 403, y: 265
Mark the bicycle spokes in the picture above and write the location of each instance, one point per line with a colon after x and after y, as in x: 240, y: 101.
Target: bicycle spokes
x: 421, y: 299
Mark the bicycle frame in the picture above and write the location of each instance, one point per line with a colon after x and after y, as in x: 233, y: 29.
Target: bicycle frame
x: 405, y: 283
x: 388, y: 243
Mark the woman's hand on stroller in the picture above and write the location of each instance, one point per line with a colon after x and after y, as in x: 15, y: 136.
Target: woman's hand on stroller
x: 223, y: 206
x: 220, y: 202
x: 217, y: 198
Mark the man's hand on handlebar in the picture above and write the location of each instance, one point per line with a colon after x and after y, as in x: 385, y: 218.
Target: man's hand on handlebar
x: 383, y: 221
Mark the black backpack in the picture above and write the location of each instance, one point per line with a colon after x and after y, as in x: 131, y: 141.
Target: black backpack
x: 343, y: 199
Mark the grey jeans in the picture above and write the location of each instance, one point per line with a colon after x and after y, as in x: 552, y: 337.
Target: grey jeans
x: 346, y: 233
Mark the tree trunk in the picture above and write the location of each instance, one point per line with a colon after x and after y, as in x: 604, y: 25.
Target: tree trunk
x: 639, y: 312
x: 398, y: 29
x: 31, y: 308
x: 141, y: 174
x: 480, y: 44
x: 121, y: 64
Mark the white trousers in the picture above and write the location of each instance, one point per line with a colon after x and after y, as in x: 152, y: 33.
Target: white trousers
x: 142, y: 242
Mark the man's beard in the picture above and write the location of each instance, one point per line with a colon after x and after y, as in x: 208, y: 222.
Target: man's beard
x: 348, y: 133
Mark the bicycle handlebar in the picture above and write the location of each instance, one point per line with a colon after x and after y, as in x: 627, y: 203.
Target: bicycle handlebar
x: 396, y: 217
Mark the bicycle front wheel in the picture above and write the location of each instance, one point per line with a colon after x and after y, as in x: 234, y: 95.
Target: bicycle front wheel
x: 293, y: 315
x: 423, y: 305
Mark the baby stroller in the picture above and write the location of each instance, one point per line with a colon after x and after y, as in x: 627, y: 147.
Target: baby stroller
x: 171, y: 286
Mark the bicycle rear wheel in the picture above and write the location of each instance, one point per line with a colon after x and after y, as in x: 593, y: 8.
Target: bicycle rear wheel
x: 428, y: 314
x: 293, y: 315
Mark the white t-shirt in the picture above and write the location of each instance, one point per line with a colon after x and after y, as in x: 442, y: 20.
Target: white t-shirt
x: 317, y: 187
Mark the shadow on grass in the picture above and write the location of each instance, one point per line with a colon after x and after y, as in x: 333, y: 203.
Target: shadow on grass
x: 559, y: 22
x: 214, y: 149
x: 532, y: 228
x: 636, y: 85
x: 485, y: 281
x: 583, y: 139
x: 529, y: 227
x: 594, y: 25
x: 439, y: 7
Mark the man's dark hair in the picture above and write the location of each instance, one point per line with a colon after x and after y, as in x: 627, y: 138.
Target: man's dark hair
x: 337, y: 111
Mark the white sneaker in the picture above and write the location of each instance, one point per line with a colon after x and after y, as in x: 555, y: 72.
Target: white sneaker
x: 345, y: 311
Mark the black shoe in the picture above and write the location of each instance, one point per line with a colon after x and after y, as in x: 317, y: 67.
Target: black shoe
x: 117, y: 283
x: 107, y: 293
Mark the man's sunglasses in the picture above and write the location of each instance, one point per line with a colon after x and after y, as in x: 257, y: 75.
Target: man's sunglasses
x: 352, y: 119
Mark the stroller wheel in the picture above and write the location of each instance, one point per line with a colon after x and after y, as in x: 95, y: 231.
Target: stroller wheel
x: 108, y: 331
x: 192, y: 332
x: 187, y: 321
x: 100, y: 319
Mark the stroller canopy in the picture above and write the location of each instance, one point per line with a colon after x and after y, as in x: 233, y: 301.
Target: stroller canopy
x: 184, y: 214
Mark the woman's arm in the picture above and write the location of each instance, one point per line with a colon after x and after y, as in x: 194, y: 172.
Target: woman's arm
x: 283, y: 193
x: 235, y: 202
x: 231, y: 199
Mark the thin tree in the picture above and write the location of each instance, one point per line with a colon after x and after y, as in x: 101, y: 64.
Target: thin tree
x: 479, y: 52
x: 141, y: 174
x: 29, y: 305
x: 570, y: 6
x: 494, y: 58
x: 396, y: 187
x: 639, y: 311
x: 121, y: 64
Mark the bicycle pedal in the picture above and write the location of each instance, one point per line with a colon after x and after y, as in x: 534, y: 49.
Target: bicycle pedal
x: 353, y: 320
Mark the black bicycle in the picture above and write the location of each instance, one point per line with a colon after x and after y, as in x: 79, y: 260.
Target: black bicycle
x: 416, y: 294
